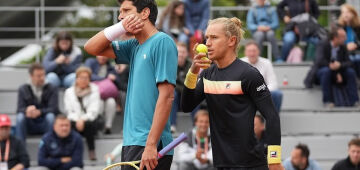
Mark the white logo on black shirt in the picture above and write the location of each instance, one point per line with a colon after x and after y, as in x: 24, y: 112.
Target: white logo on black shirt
x: 262, y: 87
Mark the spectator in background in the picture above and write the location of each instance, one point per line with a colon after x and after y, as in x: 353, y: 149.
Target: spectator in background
x: 62, y: 60
x: 333, y: 67
x: 262, y: 20
x: 259, y: 127
x: 122, y: 71
x: 197, y: 14
x: 102, y: 69
x: 352, y: 162
x: 183, y: 66
x: 196, y: 153
x: 300, y: 160
x: 82, y: 102
x: 61, y: 148
x: 172, y: 21
x: 13, y: 154
x: 266, y: 69
x: 350, y: 21
x: 116, y: 152
x: 295, y: 7
x: 37, y: 104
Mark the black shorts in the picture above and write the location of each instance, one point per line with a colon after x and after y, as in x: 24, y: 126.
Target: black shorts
x: 265, y: 167
x: 133, y: 153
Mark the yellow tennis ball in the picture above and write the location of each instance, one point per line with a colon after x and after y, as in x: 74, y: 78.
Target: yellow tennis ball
x: 201, y: 48
x: 205, y: 67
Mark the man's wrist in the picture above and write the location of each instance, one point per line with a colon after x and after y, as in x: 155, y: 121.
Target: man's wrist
x: 114, y: 31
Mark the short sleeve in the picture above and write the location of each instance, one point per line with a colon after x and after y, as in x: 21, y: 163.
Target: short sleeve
x: 124, y: 50
x: 255, y: 86
x: 165, y: 61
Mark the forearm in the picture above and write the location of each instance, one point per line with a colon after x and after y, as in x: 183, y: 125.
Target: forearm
x: 97, y: 44
x: 18, y: 166
x: 273, y: 132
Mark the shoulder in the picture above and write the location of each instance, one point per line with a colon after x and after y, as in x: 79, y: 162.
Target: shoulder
x: 245, y: 59
x: 75, y: 136
x: 313, y: 163
x: 47, y: 136
x: 340, y: 163
x: 51, y: 49
x: 161, y: 36
x: 76, y: 50
x: 265, y: 61
x: 163, y: 40
x: 287, y: 163
x: 15, y: 140
x: 94, y: 87
x: 90, y: 61
x: 70, y: 91
x: 51, y: 88
x: 23, y: 87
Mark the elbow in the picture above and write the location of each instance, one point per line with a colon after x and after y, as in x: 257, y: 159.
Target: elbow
x: 89, y: 48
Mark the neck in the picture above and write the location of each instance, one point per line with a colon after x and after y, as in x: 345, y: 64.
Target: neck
x: 201, y: 134
x: 147, y: 31
x: 254, y: 61
x: 258, y: 135
x: 333, y: 43
x: 226, y: 61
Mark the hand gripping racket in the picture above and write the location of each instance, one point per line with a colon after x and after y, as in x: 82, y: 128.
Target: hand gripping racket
x: 172, y: 145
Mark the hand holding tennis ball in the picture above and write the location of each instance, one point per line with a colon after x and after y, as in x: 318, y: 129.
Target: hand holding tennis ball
x: 201, y: 48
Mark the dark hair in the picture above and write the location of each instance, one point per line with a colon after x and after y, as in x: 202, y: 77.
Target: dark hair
x: 175, y: 21
x: 355, y: 141
x: 63, y: 36
x: 334, y: 31
x: 61, y: 117
x: 252, y: 42
x: 35, y: 66
x: 305, y: 152
x: 142, y: 4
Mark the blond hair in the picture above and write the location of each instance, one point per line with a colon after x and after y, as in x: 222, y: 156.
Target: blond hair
x: 355, y: 22
x: 82, y: 69
x: 232, y: 27
x: 201, y: 112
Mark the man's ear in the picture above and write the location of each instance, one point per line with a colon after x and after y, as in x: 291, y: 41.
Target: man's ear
x: 145, y: 13
x: 232, y: 41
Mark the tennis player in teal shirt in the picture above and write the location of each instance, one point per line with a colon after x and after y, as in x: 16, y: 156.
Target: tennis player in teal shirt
x: 152, y: 58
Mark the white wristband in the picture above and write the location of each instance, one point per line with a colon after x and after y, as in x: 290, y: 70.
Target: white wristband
x: 114, y: 31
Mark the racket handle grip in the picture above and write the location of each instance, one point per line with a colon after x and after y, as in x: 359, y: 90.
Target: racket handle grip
x: 172, y: 145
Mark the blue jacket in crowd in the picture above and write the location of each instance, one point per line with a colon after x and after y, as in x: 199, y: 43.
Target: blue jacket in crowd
x: 48, y: 103
x: 197, y: 14
x: 62, y: 69
x: 94, y: 65
x: 53, y: 148
x: 262, y: 16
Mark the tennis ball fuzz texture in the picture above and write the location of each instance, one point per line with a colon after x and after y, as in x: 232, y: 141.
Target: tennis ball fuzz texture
x: 201, y: 48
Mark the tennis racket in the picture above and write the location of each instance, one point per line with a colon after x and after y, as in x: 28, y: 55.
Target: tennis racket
x: 166, y: 149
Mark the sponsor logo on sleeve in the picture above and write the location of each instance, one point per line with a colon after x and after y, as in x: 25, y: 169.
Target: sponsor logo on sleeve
x: 262, y: 87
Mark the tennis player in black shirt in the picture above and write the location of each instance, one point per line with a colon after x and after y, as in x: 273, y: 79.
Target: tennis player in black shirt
x: 234, y: 91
